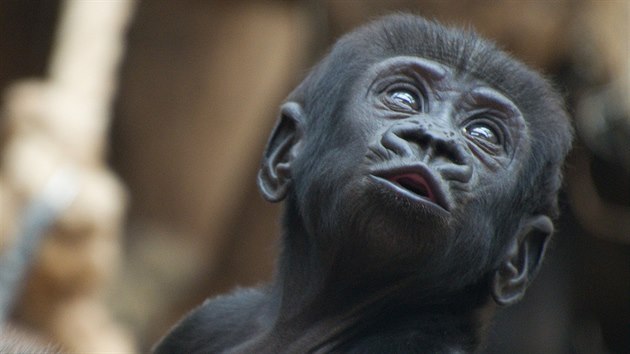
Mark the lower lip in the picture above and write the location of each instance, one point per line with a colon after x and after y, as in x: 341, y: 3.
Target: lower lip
x: 410, y: 195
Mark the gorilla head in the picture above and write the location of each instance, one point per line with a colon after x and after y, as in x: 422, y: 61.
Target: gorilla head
x: 423, y: 152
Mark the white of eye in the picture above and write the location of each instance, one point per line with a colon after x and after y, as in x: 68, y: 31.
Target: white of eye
x: 485, y: 132
x: 405, y: 99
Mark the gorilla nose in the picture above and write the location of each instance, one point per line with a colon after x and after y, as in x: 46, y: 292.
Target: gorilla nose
x: 432, y: 143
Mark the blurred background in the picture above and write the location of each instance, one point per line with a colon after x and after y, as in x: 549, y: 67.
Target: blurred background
x: 153, y: 116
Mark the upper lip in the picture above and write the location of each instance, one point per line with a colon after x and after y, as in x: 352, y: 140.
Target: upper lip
x: 417, y: 179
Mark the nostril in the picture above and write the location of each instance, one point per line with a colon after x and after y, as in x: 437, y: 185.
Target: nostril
x: 452, y: 150
x: 460, y: 173
x: 394, y: 141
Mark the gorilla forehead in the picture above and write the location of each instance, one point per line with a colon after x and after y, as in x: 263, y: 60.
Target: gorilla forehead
x: 407, y: 35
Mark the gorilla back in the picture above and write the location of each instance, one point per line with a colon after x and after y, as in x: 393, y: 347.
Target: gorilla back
x: 420, y: 167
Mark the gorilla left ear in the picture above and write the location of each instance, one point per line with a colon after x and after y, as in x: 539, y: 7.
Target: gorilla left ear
x: 284, y: 144
x: 522, y: 261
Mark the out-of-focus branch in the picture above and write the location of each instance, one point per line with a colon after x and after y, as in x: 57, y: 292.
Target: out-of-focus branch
x: 56, y: 124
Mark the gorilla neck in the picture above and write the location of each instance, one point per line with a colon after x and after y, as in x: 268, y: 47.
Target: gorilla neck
x: 324, y: 296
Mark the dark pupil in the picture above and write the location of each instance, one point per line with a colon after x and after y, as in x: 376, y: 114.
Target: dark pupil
x: 480, y: 131
x: 404, y: 98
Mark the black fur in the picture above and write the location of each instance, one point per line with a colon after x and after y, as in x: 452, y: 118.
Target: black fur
x: 364, y: 269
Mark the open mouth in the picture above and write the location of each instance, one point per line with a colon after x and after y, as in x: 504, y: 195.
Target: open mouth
x: 416, y: 182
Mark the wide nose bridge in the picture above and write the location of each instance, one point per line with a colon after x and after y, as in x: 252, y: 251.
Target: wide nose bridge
x: 435, y: 130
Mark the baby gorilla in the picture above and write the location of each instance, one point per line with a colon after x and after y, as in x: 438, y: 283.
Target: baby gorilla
x: 420, y: 167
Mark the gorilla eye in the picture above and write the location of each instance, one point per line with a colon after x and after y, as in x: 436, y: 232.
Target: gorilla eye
x: 485, y: 133
x: 404, y: 99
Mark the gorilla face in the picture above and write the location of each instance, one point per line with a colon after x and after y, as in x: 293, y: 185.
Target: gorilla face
x: 419, y: 165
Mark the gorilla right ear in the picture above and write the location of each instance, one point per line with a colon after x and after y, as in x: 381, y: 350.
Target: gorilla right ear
x: 522, y: 260
x: 283, y: 146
